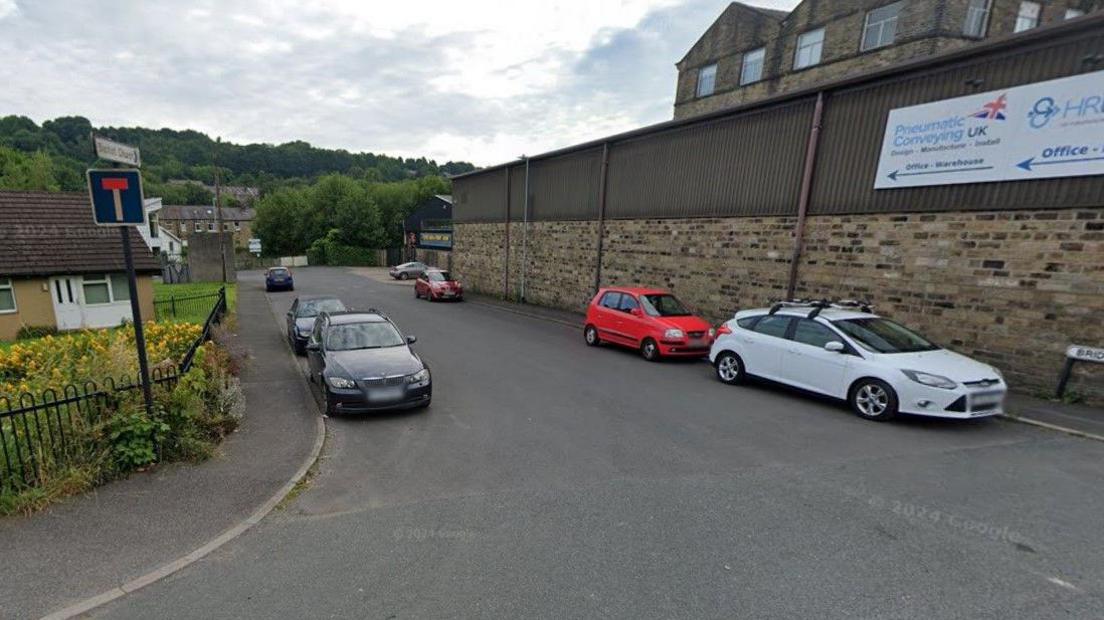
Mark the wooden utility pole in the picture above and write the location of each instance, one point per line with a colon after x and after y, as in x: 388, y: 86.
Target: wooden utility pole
x: 218, y: 209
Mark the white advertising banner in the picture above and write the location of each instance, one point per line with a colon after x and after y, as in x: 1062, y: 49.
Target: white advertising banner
x: 1042, y: 130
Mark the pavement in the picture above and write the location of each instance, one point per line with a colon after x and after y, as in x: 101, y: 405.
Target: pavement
x: 552, y: 480
x: 93, y: 543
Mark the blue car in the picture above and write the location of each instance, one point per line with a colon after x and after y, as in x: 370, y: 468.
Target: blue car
x: 279, y: 279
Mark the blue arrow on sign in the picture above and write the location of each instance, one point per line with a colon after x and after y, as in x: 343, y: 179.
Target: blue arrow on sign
x: 1029, y: 162
x: 897, y: 173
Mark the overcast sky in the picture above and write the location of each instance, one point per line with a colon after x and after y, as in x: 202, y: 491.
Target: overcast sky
x: 482, y: 81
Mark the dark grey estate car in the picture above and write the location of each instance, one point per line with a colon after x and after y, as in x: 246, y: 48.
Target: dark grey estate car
x: 360, y: 362
x: 406, y: 271
x: 300, y: 318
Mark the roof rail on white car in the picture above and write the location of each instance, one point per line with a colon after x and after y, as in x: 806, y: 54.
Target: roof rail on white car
x: 817, y: 305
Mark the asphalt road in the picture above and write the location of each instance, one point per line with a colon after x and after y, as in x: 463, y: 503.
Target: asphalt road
x: 553, y: 480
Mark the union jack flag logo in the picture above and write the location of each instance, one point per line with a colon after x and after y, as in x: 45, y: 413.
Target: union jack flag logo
x: 994, y: 110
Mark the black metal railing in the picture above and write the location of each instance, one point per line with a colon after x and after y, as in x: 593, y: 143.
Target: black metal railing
x: 186, y: 307
x: 40, y: 434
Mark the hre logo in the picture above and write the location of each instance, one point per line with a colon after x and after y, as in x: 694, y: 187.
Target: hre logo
x: 1041, y: 113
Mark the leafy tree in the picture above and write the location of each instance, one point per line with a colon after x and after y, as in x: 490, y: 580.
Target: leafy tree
x: 27, y: 172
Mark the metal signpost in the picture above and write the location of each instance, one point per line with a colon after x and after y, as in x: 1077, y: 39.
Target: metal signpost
x: 117, y: 200
x: 1077, y: 353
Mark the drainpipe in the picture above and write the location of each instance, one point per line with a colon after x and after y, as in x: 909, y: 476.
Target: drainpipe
x: 525, y: 233
x: 506, y: 265
x: 806, y: 190
x: 601, y: 215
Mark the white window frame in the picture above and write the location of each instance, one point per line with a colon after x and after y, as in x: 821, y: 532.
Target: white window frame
x: 1074, y: 13
x: 757, y: 57
x: 1028, y: 16
x: 711, y: 71
x: 107, y: 279
x: 211, y: 227
x: 183, y: 227
x: 237, y: 226
x: 816, y: 48
x: 6, y: 284
x: 977, y: 18
x: 198, y: 226
x: 881, y: 25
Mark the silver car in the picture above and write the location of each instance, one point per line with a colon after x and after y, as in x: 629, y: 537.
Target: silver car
x: 406, y: 271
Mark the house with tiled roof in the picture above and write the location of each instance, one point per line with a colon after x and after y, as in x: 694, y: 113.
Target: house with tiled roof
x: 187, y: 220
x: 59, y: 269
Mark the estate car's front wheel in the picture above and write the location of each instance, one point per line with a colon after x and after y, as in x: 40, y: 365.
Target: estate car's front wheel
x: 729, y: 368
x: 874, y: 399
x: 590, y: 334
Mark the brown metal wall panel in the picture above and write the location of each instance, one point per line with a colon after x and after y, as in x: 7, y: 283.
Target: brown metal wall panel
x: 479, y: 198
x: 517, y: 193
x: 565, y: 187
x: 855, y: 119
x: 744, y: 165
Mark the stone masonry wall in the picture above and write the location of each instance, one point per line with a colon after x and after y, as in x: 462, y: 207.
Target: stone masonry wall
x: 1010, y: 288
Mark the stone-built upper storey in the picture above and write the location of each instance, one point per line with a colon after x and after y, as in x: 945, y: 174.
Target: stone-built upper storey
x: 751, y: 53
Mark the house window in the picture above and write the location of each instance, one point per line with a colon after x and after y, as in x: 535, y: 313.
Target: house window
x: 153, y: 225
x: 753, y: 66
x: 1072, y: 13
x: 1028, y: 17
x: 809, y: 47
x: 183, y: 227
x: 707, y: 80
x: 7, y: 296
x: 210, y: 227
x: 237, y: 226
x: 977, y: 18
x: 226, y: 226
x: 102, y: 288
x: 881, y: 26
x: 199, y: 226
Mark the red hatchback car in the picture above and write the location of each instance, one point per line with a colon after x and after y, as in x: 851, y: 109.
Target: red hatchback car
x: 436, y: 285
x: 651, y: 320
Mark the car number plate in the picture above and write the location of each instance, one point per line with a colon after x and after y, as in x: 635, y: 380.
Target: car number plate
x: 986, y: 399
x: 384, y: 394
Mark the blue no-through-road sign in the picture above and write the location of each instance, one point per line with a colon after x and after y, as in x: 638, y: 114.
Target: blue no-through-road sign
x: 117, y: 198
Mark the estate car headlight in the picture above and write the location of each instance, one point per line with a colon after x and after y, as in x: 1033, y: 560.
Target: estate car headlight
x: 342, y: 383
x: 674, y: 334
x: 927, y: 378
x: 419, y: 379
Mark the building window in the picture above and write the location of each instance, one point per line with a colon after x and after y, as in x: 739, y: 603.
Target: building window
x: 752, y: 70
x: 210, y: 227
x: 881, y: 26
x: 707, y: 80
x: 809, y: 47
x: 237, y: 226
x: 153, y: 225
x: 977, y: 18
x: 7, y: 296
x: 1028, y: 17
x: 1072, y: 13
x: 226, y: 226
x: 103, y: 289
x: 183, y: 227
x: 199, y: 226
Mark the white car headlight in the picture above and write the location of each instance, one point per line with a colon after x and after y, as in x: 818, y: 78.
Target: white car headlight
x: 927, y: 378
x: 342, y: 383
x: 674, y: 334
x: 419, y: 379
x: 1000, y: 375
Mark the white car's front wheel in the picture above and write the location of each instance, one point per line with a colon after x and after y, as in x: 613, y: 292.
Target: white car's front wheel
x: 874, y: 399
x: 729, y: 368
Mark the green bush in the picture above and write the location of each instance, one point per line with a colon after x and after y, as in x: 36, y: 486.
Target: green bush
x: 30, y: 332
x: 329, y: 250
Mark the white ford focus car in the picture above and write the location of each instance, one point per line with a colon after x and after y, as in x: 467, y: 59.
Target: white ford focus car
x: 845, y: 351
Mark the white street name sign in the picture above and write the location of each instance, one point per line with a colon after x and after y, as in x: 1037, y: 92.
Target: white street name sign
x: 116, y: 151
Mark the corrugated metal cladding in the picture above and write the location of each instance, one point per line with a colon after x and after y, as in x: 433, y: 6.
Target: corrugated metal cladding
x: 479, y: 198
x: 517, y: 193
x: 565, y: 187
x: 854, y: 124
x: 745, y: 165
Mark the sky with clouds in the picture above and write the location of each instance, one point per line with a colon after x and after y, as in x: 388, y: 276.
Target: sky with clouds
x: 481, y: 80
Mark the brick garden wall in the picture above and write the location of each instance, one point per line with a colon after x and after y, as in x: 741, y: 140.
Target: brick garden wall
x: 1010, y: 288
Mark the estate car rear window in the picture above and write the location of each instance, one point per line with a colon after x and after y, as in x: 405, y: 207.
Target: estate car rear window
x: 279, y: 272
x: 354, y: 336
x: 884, y: 336
x: 663, y: 305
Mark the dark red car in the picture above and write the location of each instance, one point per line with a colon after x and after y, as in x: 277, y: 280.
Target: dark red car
x: 651, y: 320
x: 436, y: 285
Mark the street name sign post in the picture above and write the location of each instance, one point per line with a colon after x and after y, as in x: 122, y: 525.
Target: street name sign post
x: 116, y: 151
x: 1077, y: 353
x: 117, y: 200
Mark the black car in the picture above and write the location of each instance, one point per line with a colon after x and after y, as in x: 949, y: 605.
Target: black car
x: 279, y: 278
x: 361, y: 363
x: 300, y: 318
